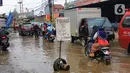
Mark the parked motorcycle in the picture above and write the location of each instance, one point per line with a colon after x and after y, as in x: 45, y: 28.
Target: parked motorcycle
x: 102, y: 55
x: 4, y: 43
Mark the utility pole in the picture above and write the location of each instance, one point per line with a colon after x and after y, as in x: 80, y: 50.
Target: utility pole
x: 42, y: 5
x: 65, y: 4
x: 50, y: 8
x: 53, y: 8
x: 65, y: 1
x: 20, y: 6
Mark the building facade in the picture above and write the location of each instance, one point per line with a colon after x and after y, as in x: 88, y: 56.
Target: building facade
x: 56, y: 8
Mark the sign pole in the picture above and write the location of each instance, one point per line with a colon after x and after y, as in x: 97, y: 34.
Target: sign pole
x: 60, y: 49
x: 62, y: 34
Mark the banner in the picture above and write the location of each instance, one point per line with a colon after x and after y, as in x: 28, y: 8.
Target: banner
x: 53, y: 17
x: 9, y: 20
x: 63, y: 29
x: 48, y: 17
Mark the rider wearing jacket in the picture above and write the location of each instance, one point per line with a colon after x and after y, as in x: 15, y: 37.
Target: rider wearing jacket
x: 36, y: 28
x: 100, y: 38
x: 49, y: 30
x: 4, y: 32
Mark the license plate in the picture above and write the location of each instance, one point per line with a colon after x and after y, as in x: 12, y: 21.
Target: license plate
x: 107, y: 52
x: 52, y: 35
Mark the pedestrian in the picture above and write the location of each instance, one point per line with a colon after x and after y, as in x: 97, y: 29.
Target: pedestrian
x: 36, y: 29
x: 85, y: 32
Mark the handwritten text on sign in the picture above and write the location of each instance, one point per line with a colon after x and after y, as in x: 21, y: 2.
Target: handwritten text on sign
x: 63, y: 29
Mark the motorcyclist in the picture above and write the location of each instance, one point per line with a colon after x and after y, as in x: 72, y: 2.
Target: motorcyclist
x: 95, y: 29
x: 54, y: 31
x: 49, y: 30
x: 36, y: 29
x: 45, y: 28
x: 4, y: 32
x: 100, y: 40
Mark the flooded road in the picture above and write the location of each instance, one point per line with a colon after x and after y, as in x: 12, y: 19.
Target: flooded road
x: 30, y: 55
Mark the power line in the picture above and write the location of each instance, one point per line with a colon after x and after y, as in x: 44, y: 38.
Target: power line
x: 33, y: 4
x: 17, y: 5
x: 27, y: 5
x: 35, y: 7
x: 39, y: 7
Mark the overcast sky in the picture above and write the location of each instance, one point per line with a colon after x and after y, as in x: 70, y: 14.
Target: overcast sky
x: 9, y: 5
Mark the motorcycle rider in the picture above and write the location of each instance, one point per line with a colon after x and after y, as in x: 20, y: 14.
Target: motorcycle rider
x: 45, y: 28
x: 49, y: 30
x: 4, y: 32
x: 95, y: 29
x: 36, y: 29
x: 100, y: 40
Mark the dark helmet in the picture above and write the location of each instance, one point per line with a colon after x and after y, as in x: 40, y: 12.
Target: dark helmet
x: 102, y: 34
x: 101, y: 29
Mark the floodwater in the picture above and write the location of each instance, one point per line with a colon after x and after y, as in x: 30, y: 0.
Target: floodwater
x: 35, y: 55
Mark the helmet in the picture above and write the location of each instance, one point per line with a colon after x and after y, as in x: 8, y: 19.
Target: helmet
x: 102, y: 34
x: 101, y: 29
x: 49, y: 25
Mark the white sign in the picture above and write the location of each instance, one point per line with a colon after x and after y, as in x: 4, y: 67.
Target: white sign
x: 119, y: 9
x: 63, y: 29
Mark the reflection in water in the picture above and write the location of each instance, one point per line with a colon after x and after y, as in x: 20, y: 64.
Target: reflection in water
x: 4, y: 56
x: 81, y: 64
x: 30, y: 55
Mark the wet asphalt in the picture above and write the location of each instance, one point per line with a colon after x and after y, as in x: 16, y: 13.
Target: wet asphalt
x: 35, y: 55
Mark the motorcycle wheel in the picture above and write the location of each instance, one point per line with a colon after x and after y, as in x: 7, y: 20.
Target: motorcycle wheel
x: 4, y: 49
x: 72, y: 39
x: 51, y: 39
x: 8, y: 44
x: 56, y: 64
x: 107, y: 61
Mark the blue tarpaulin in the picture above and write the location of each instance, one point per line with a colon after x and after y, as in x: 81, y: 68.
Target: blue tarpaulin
x: 9, y: 20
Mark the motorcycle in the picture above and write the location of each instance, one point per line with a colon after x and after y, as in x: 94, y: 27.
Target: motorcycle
x: 4, y: 43
x: 51, y: 37
x: 102, y: 55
